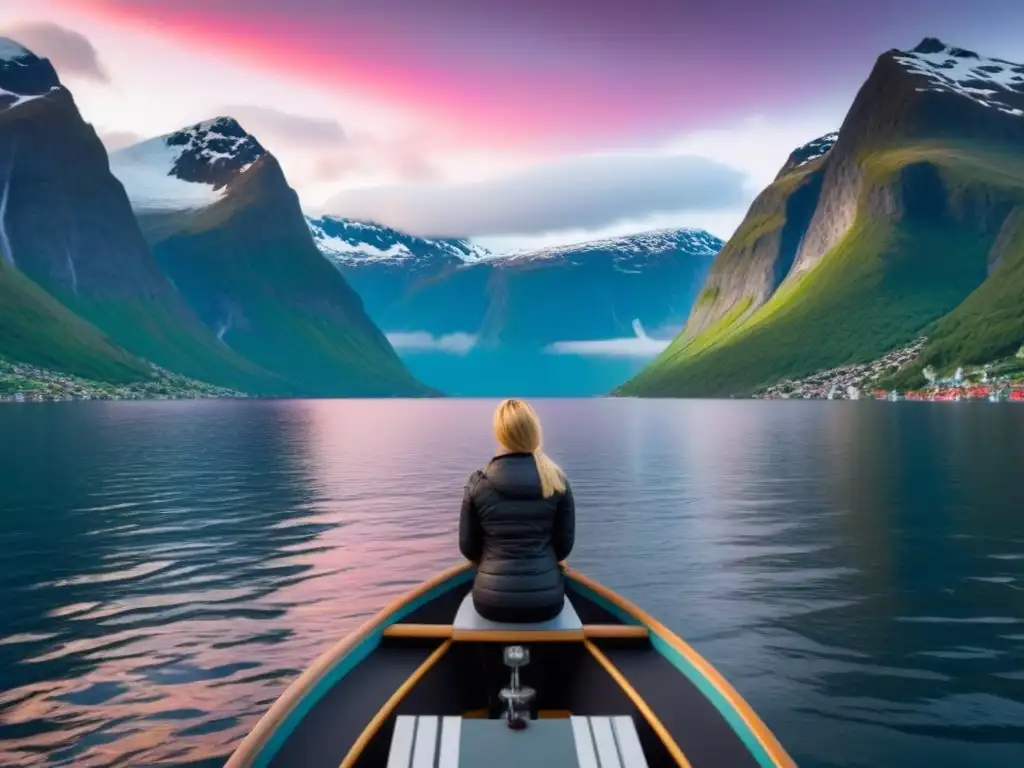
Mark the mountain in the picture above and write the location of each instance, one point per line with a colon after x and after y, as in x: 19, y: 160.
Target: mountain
x: 906, y: 222
x: 470, y: 322
x: 84, y: 293
x: 227, y: 231
x: 35, y: 327
x: 351, y: 242
x: 383, y: 265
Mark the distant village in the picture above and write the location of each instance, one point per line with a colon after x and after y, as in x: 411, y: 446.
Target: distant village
x: 21, y: 383
x: 1000, y: 381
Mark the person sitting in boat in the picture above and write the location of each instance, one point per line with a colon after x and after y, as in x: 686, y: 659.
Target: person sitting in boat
x: 518, y: 523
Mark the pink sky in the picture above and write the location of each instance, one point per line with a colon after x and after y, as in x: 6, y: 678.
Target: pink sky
x: 455, y: 92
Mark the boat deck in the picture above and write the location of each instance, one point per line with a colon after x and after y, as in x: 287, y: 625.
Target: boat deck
x: 613, y: 689
x: 427, y: 741
x: 595, y: 674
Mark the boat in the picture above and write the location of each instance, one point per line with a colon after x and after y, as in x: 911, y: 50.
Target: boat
x: 429, y: 683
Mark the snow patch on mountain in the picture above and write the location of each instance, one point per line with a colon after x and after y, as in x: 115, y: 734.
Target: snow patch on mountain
x: 214, y: 150
x: 992, y: 83
x: 24, y: 77
x: 10, y: 99
x: 815, y: 149
x: 12, y: 51
x: 353, y: 242
x: 146, y: 170
x: 188, y: 169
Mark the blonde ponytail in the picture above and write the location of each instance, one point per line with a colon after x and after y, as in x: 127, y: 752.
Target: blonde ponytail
x: 552, y: 479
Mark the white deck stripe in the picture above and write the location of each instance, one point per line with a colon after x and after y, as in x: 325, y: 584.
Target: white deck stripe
x: 426, y: 742
x: 400, y: 753
x: 629, y: 742
x: 584, y: 742
x: 604, y: 739
x: 451, y: 734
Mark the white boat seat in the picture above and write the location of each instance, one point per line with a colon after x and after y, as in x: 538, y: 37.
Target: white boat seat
x: 429, y: 741
x: 468, y: 619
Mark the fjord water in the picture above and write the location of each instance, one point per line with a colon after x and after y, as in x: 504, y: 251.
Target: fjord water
x: 855, y: 569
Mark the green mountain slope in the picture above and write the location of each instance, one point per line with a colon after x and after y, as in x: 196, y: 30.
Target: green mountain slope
x: 37, y: 329
x: 918, y: 203
x: 68, y: 227
x: 245, y: 261
x: 989, y: 324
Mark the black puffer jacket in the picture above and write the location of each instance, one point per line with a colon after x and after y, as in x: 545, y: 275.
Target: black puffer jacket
x: 517, y: 538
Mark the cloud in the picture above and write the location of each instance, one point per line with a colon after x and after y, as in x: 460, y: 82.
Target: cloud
x: 114, y: 140
x: 624, y: 347
x: 640, y: 345
x: 275, y: 124
x: 359, y: 156
x: 584, y: 192
x: 70, y: 52
x: 422, y: 341
x: 758, y: 144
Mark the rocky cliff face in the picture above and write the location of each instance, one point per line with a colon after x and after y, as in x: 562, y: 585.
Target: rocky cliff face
x: 67, y: 226
x: 861, y: 245
x: 759, y: 256
x: 66, y: 220
x: 229, y: 233
x: 934, y: 92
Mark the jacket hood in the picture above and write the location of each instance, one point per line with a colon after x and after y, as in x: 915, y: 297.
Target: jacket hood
x: 515, y: 476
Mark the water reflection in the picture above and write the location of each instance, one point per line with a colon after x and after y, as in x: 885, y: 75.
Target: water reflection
x: 856, y: 569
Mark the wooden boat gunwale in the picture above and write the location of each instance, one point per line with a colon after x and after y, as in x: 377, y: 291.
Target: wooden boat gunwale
x: 762, y: 743
x: 271, y: 731
x: 258, y: 749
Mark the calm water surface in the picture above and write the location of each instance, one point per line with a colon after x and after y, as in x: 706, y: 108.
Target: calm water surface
x: 855, y: 569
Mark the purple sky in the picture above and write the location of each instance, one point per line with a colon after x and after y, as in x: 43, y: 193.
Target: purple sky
x: 582, y: 74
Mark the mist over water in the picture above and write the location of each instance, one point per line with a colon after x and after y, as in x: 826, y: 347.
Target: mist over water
x: 856, y: 570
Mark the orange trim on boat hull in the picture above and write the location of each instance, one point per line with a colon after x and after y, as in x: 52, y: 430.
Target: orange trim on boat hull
x: 445, y: 631
x: 642, y: 706
x: 615, y: 632
x: 431, y: 631
x: 247, y: 752
x: 761, y: 732
x: 390, y: 705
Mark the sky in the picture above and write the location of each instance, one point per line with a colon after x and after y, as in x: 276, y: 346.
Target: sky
x: 519, y: 123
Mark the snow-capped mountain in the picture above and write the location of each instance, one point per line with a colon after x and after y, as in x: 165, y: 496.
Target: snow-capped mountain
x: 24, y: 77
x: 907, y: 222
x: 943, y: 68
x: 350, y: 242
x: 67, y: 225
x: 506, y: 310
x: 627, y: 253
x: 228, y: 231
x: 187, y: 169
